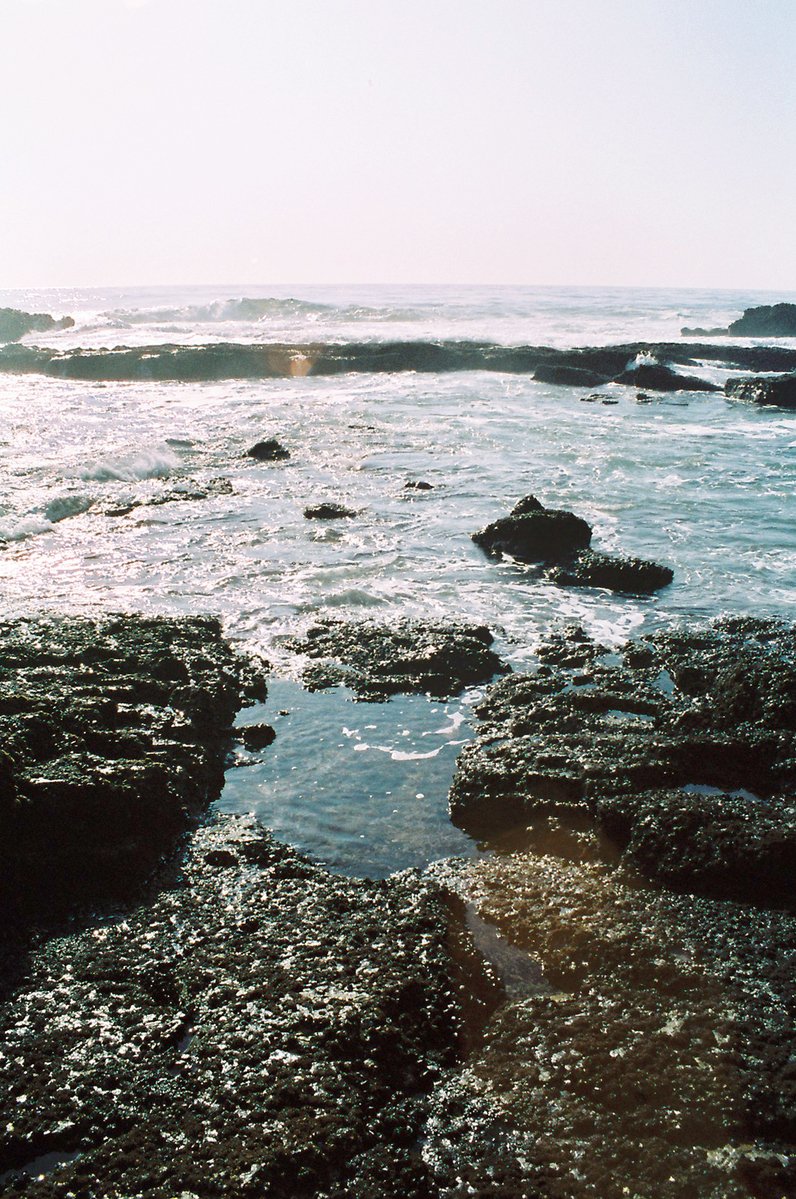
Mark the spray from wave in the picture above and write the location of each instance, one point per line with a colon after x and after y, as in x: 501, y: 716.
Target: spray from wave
x: 143, y: 464
x: 257, y: 310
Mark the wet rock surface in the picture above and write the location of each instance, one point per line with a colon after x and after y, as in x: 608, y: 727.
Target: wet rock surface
x: 113, y: 736
x: 533, y: 533
x: 655, y: 1063
x: 684, y: 750
x: 779, y: 390
x: 264, y: 1028
x: 568, y: 376
x: 559, y: 541
x: 589, y: 568
x: 228, y: 360
x: 377, y: 661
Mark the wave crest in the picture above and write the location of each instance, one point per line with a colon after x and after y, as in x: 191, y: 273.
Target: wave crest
x: 144, y: 464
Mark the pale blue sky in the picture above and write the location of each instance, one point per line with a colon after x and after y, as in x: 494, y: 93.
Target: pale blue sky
x: 484, y: 141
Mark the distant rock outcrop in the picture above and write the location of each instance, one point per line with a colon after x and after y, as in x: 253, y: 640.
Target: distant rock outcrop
x: 15, y: 324
x: 658, y: 377
x: 773, y: 320
x: 767, y: 320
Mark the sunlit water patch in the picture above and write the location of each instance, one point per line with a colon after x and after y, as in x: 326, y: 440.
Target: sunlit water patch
x: 361, y: 787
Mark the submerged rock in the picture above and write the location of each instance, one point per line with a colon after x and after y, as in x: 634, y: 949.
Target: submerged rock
x: 558, y: 541
x: 377, y: 661
x: 268, y: 451
x: 15, y: 324
x: 772, y: 389
x: 113, y: 733
x: 182, y: 493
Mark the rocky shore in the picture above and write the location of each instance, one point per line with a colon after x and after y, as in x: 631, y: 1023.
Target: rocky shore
x: 601, y: 1005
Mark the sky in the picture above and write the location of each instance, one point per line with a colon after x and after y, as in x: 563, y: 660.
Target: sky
x: 614, y: 142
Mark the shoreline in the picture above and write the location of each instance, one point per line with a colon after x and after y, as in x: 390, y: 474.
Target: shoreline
x: 243, y: 1000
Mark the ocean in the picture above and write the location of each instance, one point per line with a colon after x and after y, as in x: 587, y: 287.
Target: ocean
x: 111, y: 502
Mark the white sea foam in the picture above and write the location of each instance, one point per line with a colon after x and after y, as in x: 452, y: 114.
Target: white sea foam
x: 21, y: 529
x: 141, y: 464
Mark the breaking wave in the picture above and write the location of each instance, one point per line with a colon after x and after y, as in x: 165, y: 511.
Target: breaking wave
x: 144, y: 464
x: 244, y: 309
x: 259, y: 311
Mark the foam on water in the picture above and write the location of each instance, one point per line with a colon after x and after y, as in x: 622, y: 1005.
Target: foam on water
x: 696, y: 481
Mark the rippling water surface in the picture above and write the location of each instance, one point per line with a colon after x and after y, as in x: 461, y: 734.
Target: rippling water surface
x: 693, y: 480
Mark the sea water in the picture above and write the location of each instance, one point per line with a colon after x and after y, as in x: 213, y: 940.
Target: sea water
x: 700, y: 482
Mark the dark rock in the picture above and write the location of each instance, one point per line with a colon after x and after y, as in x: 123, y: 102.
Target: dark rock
x: 725, y: 844
x: 533, y: 533
x: 268, y: 451
x: 569, y: 376
x: 418, y: 485
x: 686, y: 332
x: 256, y: 736
x: 15, y: 324
x: 657, y: 377
x: 558, y: 540
x: 779, y: 390
x: 115, y: 733
x: 265, y: 1028
x: 328, y: 512
x: 377, y: 661
x: 775, y: 320
x: 589, y: 568
x: 526, y: 505
x: 713, y: 710
x: 227, y: 360
x: 666, y: 1023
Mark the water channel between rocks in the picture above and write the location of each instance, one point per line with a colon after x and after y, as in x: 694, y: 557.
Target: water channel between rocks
x: 360, y: 787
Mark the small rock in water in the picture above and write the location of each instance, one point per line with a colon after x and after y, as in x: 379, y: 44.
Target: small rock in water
x: 418, y: 485
x: 328, y: 512
x: 558, y: 541
x: 268, y: 451
x: 256, y: 736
